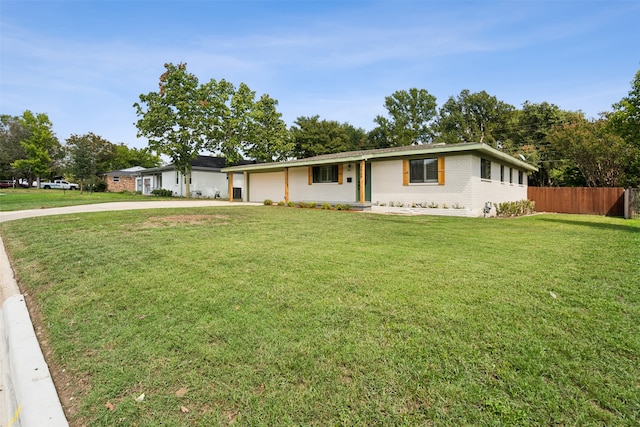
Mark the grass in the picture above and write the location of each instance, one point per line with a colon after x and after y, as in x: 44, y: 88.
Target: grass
x: 265, y: 316
x: 33, y: 198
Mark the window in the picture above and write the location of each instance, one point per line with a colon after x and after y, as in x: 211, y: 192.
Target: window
x: 501, y: 173
x: 325, y: 174
x: 423, y: 170
x: 510, y: 175
x: 177, y: 177
x: 485, y: 169
x: 116, y: 179
x: 520, y: 177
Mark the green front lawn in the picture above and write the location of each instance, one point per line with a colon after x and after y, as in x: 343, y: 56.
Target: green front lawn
x: 285, y: 316
x: 32, y: 198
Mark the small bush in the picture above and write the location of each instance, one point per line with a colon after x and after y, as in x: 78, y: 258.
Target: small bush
x: 99, y: 186
x: 162, y: 192
x: 281, y: 203
x: 457, y: 206
x: 518, y: 208
x: 312, y: 205
x: 432, y: 205
x: 290, y: 204
x: 268, y: 202
x: 326, y: 206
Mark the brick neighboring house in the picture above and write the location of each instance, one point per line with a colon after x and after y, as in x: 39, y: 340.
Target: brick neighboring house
x: 124, y: 179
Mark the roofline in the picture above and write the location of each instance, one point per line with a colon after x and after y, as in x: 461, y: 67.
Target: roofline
x: 171, y: 167
x: 358, y: 156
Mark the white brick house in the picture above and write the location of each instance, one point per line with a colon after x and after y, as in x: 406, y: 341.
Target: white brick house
x: 460, y: 179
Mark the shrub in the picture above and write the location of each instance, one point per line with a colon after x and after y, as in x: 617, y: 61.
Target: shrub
x: 518, y: 208
x: 281, y: 203
x: 290, y: 204
x: 268, y: 202
x: 312, y: 205
x: 433, y: 205
x: 162, y: 192
x: 325, y: 206
x: 99, y: 186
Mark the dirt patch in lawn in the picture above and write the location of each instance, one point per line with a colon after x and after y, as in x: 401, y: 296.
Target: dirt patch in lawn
x: 176, y: 220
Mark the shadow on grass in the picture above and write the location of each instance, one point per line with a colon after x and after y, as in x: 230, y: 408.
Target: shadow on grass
x: 629, y: 226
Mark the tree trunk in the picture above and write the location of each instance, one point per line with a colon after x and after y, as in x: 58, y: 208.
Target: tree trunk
x: 187, y: 185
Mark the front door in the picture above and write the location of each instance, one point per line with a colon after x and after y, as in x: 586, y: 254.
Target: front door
x: 367, y: 182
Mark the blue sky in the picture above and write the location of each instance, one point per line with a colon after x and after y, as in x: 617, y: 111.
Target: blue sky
x: 84, y: 63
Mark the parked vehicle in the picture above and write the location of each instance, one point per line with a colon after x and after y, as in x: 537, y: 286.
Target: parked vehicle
x: 59, y: 184
x: 7, y: 183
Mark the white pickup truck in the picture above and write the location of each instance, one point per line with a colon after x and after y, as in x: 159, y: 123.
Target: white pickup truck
x: 59, y: 184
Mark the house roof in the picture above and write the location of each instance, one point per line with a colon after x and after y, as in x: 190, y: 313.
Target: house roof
x: 128, y: 171
x: 386, y: 153
x: 199, y: 163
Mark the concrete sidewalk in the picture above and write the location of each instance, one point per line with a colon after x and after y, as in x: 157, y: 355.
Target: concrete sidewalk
x: 27, y: 393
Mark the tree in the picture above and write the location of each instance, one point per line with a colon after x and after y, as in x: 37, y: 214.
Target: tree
x: 176, y: 119
x: 528, y: 135
x: 11, y: 133
x: 410, y: 114
x: 41, y: 147
x: 474, y: 117
x: 269, y: 138
x: 600, y: 155
x: 125, y: 157
x: 314, y: 137
x: 624, y: 121
x: 82, y: 154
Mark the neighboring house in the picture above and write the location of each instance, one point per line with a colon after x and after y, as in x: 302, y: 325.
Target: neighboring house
x: 206, y: 179
x: 123, y: 180
x: 459, y: 178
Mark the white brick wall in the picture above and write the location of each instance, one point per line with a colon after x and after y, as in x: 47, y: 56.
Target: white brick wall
x: 301, y: 191
x: 386, y: 184
x: 494, y: 190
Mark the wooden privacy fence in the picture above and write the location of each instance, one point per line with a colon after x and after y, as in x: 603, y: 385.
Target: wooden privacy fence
x: 578, y: 200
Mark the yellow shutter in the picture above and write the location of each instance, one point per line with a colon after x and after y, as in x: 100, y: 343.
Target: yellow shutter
x: 440, y: 170
x: 405, y: 172
x: 310, y: 175
x: 340, y: 174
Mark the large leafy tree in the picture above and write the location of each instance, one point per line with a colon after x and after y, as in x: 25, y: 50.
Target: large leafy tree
x: 314, y: 137
x: 82, y: 155
x: 125, y: 157
x: 270, y: 140
x: 600, y: 155
x: 475, y: 117
x: 176, y: 119
x: 624, y: 121
x: 41, y: 147
x: 11, y: 133
x: 408, y: 120
x: 528, y: 136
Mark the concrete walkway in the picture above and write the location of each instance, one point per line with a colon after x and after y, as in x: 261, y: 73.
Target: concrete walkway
x: 27, y: 394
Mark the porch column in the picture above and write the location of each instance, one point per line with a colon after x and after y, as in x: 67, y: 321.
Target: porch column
x: 246, y: 186
x: 286, y: 185
x: 231, y: 186
x: 362, y: 175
